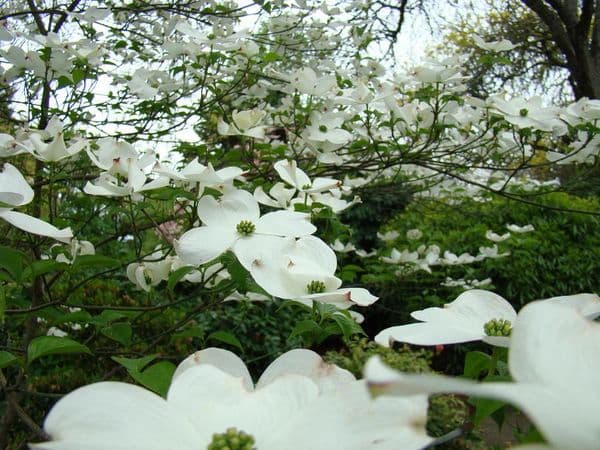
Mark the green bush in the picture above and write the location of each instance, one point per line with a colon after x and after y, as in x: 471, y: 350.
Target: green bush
x: 558, y: 258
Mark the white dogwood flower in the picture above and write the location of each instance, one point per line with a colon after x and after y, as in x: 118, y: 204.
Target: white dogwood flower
x: 234, y: 222
x: 465, y: 319
x: 14, y: 192
x: 299, y: 402
x: 554, y: 362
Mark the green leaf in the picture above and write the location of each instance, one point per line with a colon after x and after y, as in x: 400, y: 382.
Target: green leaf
x: 225, y: 337
x: 11, y: 261
x: 177, y: 275
x: 7, y: 359
x: 270, y: 57
x: 305, y: 327
x: 78, y: 75
x: 53, y: 345
x: 120, y: 332
x: 42, y: 267
x: 157, y: 377
x: 347, y: 325
x: 484, y: 408
x: 134, y: 364
x: 475, y: 363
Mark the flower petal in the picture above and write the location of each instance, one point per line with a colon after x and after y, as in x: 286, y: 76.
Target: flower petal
x: 215, y: 401
x: 117, y: 416
x: 14, y: 189
x: 469, y: 312
x: 347, y: 418
x: 200, y: 245
x: 222, y: 359
x: 586, y: 304
x: 36, y: 226
x: 309, y: 364
x: 229, y: 210
x: 285, y: 223
x: 427, y: 333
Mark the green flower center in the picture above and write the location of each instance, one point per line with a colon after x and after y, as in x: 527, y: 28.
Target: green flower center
x: 322, y: 128
x: 232, y: 439
x: 245, y: 227
x: 498, y: 327
x: 315, y: 287
x: 523, y: 112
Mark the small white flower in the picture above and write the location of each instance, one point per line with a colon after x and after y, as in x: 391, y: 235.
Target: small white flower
x: 245, y: 123
x: 414, y: 234
x: 489, y: 234
x: 518, y: 229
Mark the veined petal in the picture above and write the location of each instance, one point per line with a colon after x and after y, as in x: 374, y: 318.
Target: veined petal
x: 205, y: 388
x: 426, y: 333
x: 586, y: 304
x: 309, y: 364
x: 285, y: 223
x: 470, y: 311
x: 345, y: 298
x: 116, y: 415
x: 36, y: 226
x: 222, y: 359
x: 347, y: 418
x: 556, y: 345
x: 229, y: 210
x: 200, y: 245
x: 289, y: 172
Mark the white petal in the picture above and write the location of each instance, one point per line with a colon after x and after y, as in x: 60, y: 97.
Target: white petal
x: 586, y: 304
x: 306, y: 363
x: 348, y: 419
x: 345, y: 298
x: 14, y: 189
x: 215, y: 401
x: 200, y: 245
x: 36, y: 226
x: 285, y: 223
x: 555, y: 345
x: 222, y: 359
x: 229, y: 210
x: 469, y: 312
x: 290, y: 173
x: 116, y: 415
x: 432, y: 333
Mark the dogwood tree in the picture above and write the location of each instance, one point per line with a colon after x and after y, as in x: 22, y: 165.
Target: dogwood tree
x: 202, y: 151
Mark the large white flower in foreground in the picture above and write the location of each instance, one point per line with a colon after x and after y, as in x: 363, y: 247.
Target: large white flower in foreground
x: 299, y: 403
x: 233, y: 222
x: 15, y: 191
x: 554, y: 360
x: 465, y: 319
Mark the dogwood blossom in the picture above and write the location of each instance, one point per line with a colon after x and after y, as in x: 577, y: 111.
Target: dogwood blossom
x: 554, y: 362
x: 234, y: 222
x: 464, y: 319
x: 298, y: 402
x: 244, y: 123
x: 15, y: 191
x: 302, y: 269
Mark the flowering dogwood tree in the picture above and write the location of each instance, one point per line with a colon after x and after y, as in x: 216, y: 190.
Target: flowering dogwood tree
x: 203, y: 151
